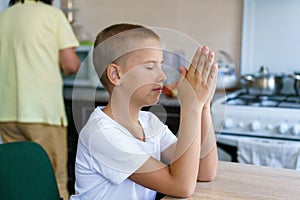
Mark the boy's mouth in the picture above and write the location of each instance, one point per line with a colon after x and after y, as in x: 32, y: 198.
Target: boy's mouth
x: 158, y: 89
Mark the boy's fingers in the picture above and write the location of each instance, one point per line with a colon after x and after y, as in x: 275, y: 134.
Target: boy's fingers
x: 212, y: 78
x: 202, y: 59
x: 194, y: 63
x: 208, y: 65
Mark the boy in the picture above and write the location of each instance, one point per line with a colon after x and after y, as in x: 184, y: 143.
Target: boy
x: 126, y: 153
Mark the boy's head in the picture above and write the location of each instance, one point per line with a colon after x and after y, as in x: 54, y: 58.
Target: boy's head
x: 115, y: 44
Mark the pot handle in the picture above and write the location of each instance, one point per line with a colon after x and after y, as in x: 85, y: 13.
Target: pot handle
x: 295, y: 77
x: 249, y: 78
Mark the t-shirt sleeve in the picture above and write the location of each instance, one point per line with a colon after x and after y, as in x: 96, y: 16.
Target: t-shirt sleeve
x: 115, y: 154
x: 65, y: 35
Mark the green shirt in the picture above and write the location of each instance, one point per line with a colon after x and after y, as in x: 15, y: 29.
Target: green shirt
x: 31, y: 35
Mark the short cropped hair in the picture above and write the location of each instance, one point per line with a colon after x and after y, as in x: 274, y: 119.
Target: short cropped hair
x: 113, y: 43
x: 13, y: 2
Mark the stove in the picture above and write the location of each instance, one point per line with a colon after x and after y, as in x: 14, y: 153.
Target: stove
x: 265, y: 116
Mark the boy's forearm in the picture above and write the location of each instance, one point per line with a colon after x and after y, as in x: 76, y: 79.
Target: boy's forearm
x: 208, y: 156
x: 207, y: 128
x: 184, y: 168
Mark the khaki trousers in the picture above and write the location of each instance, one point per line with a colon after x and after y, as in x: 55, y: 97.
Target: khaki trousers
x: 52, y: 138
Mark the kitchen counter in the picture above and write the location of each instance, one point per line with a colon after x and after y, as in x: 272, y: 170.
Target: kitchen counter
x: 85, y: 94
x: 236, y: 181
x: 101, y: 95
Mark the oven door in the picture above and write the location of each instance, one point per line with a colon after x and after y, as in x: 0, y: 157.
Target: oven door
x: 278, y: 153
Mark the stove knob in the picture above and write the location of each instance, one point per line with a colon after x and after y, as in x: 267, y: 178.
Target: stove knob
x: 254, y: 126
x: 283, y: 128
x: 241, y: 124
x: 269, y: 127
x: 296, y: 129
x: 228, y: 123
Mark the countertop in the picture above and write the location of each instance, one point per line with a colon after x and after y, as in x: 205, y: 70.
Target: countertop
x: 236, y: 181
x: 82, y: 93
x: 100, y: 95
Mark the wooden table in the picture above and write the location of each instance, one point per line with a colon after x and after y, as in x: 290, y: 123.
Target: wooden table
x: 236, y: 181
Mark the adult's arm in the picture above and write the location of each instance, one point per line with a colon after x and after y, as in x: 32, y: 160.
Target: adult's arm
x: 69, y: 61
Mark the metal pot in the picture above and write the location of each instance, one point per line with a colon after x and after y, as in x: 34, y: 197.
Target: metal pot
x: 263, y: 82
x: 296, y: 77
x: 227, y: 78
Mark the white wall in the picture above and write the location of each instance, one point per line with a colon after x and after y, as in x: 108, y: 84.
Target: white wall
x: 3, y: 4
x: 271, y: 36
x: 216, y: 23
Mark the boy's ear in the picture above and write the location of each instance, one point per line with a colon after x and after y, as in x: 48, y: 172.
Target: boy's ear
x: 113, y: 74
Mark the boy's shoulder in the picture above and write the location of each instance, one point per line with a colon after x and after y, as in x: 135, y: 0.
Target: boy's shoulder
x: 99, y: 119
x: 99, y: 115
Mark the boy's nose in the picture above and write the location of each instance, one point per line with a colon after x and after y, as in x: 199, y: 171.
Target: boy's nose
x: 162, y: 76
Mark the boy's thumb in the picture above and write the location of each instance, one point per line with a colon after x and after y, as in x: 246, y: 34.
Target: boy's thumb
x: 183, y: 72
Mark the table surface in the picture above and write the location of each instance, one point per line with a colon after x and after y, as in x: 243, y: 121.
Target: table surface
x: 236, y: 181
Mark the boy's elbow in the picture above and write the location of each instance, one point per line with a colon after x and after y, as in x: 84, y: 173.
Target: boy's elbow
x: 185, y: 190
x: 207, y: 177
x: 208, y: 172
x: 189, y: 191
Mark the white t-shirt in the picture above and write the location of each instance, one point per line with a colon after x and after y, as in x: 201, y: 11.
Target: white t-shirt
x: 108, y: 154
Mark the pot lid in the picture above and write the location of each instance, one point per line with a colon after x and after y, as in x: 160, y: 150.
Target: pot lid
x: 265, y: 73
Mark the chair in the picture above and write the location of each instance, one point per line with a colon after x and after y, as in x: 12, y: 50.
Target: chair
x: 26, y: 173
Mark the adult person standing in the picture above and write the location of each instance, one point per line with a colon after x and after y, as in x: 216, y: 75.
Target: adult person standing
x: 36, y: 44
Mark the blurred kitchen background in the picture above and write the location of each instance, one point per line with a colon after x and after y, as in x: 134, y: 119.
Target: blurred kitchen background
x: 256, y: 109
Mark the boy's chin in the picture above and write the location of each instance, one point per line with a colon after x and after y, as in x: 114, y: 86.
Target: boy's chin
x: 151, y: 103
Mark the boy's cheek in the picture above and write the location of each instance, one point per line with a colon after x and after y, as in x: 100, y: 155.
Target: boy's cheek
x: 137, y: 77
x: 134, y: 84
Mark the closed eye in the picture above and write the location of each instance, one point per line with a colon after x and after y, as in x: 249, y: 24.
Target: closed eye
x: 149, y: 66
x: 152, y: 64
